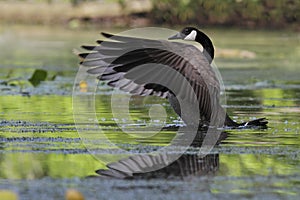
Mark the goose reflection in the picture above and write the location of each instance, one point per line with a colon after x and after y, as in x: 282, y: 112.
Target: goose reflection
x: 189, y: 164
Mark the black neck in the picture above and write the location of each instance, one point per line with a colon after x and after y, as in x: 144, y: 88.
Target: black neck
x: 208, y: 48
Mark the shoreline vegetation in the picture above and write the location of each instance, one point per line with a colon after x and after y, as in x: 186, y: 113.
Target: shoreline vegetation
x: 266, y: 14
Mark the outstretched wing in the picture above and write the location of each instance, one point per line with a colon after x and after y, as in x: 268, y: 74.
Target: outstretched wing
x: 119, y: 62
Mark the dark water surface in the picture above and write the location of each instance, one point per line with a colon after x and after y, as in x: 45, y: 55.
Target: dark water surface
x: 41, y: 149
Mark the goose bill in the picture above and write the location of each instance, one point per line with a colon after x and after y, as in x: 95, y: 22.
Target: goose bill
x: 178, y: 35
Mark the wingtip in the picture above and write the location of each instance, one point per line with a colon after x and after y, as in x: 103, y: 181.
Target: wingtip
x: 107, y: 35
x: 88, y: 47
x: 82, y: 55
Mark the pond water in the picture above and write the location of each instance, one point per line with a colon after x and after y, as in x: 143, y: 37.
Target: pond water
x: 40, y: 145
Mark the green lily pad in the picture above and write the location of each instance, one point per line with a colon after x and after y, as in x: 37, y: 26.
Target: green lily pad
x: 38, y: 76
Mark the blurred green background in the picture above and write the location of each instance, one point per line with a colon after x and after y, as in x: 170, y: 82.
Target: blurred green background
x: 75, y: 13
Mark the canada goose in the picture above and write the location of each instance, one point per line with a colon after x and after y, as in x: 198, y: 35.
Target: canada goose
x: 112, y: 60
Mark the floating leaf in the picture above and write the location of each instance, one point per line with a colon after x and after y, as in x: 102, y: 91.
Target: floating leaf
x: 72, y: 194
x: 83, y: 86
x: 38, y: 76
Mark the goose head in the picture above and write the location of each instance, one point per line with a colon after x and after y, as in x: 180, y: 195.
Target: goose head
x: 188, y: 33
x: 193, y: 34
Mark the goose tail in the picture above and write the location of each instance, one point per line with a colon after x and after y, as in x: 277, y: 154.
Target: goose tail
x: 260, y: 122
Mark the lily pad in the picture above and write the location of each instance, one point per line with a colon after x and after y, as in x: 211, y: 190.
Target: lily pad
x: 38, y: 76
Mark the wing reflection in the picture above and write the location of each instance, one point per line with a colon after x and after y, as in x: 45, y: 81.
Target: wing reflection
x: 189, y: 164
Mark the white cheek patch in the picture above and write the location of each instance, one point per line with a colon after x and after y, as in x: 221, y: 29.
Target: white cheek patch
x: 191, y: 36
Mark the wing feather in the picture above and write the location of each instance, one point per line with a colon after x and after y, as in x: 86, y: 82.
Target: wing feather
x: 118, y: 59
